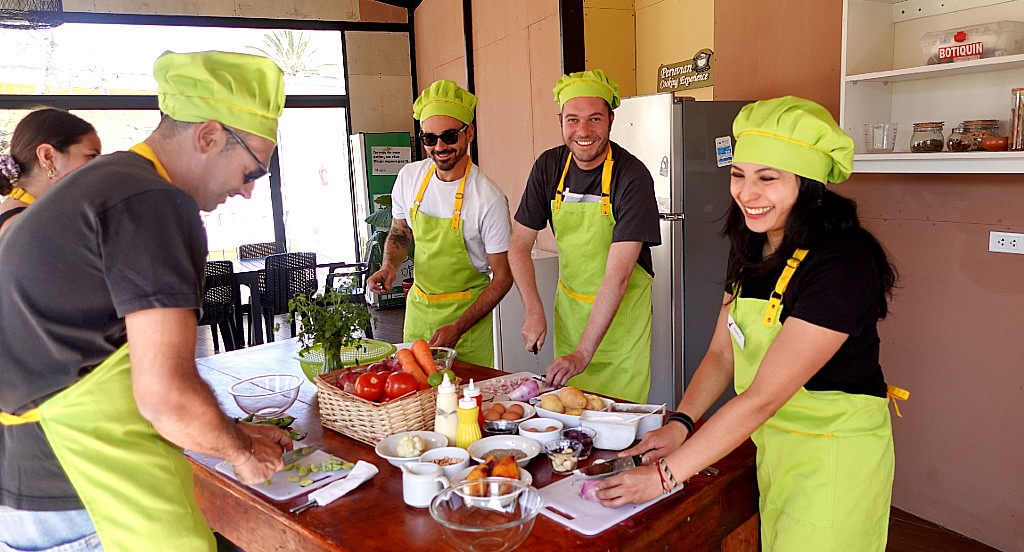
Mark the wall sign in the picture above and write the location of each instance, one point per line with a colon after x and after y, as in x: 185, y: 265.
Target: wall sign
x: 697, y: 72
x: 389, y: 159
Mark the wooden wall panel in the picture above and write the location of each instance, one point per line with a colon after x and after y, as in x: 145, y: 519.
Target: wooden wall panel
x: 439, y: 42
x: 610, y: 38
x: 377, y: 12
x: 671, y: 31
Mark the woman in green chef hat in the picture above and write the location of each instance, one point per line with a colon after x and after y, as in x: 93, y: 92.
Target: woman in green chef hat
x: 797, y: 336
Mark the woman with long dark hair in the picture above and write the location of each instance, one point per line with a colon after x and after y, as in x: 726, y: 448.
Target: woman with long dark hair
x: 797, y: 337
x: 46, y: 146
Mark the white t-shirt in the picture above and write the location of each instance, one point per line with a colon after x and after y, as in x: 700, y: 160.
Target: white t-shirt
x: 486, y: 225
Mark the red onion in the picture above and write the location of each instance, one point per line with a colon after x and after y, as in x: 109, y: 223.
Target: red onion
x: 588, y: 491
x: 526, y: 391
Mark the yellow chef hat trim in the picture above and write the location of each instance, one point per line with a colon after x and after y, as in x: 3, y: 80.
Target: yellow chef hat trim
x: 240, y: 90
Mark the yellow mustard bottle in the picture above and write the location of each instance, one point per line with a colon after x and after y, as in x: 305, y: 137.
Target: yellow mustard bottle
x: 469, y: 430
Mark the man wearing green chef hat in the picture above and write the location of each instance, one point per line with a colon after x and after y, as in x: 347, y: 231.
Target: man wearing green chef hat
x: 460, y: 221
x: 92, y: 430
x: 599, y: 200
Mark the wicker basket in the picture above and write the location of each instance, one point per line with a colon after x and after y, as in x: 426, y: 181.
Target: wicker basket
x: 368, y: 421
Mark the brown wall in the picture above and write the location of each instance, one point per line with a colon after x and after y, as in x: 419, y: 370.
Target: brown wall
x: 955, y: 337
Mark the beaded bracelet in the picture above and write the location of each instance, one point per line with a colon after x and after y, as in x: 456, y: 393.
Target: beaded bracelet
x: 670, y: 484
x: 252, y: 452
x: 661, y: 476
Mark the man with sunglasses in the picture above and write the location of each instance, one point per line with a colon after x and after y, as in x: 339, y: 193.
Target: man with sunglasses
x: 460, y: 221
x: 91, y: 432
x: 599, y: 200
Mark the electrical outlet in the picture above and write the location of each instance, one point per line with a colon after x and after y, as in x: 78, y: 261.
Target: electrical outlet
x: 1006, y: 242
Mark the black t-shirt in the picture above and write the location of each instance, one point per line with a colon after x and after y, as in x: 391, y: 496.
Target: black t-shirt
x: 110, y: 239
x: 836, y: 287
x: 634, y: 205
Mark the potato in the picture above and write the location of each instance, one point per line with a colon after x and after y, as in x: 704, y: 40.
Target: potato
x: 574, y: 411
x: 551, y: 402
x: 572, y: 398
x: 594, y: 402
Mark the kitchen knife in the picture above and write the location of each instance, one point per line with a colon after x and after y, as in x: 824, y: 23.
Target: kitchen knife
x: 609, y: 467
x: 297, y: 454
x: 536, y: 358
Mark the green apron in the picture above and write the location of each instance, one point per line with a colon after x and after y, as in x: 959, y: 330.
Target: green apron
x: 621, y: 367
x: 136, y: 486
x: 446, y: 282
x: 824, y: 460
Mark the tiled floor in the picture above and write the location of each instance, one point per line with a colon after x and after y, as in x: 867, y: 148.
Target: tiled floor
x: 907, y: 532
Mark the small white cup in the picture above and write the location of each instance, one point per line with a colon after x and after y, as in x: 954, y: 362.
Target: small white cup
x: 421, y: 481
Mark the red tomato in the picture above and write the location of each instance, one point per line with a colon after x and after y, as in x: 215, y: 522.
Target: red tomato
x: 400, y: 383
x: 370, y: 386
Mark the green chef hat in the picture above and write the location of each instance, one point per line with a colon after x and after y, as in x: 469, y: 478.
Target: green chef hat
x: 794, y: 135
x: 239, y: 90
x: 444, y: 97
x: 590, y: 84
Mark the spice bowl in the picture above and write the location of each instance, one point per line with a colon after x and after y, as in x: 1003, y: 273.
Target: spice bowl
x: 451, y: 459
x: 500, y: 427
x: 564, y: 454
x: 584, y: 435
x: 541, y: 430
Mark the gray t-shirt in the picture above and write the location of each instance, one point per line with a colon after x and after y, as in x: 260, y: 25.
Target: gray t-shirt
x: 110, y: 239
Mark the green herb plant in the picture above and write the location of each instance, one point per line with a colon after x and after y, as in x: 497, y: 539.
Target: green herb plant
x: 329, y: 319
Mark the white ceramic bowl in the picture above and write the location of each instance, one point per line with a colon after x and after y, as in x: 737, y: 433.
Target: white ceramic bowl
x: 480, y: 448
x: 460, y: 476
x: 541, y: 437
x: 433, y: 455
x: 528, y: 411
x: 387, y: 447
x: 614, y: 430
x: 651, y: 415
x: 568, y: 420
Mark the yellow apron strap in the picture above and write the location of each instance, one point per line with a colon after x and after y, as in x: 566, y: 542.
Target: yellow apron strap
x: 144, y: 150
x: 457, y: 211
x: 419, y: 195
x: 897, y: 394
x: 772, y: 312
x: 29, y: 417
x: 581, y: 297
x: 23, y: 195
x: 606, y: 184
x: 561, y: 184
x: 441, y: 297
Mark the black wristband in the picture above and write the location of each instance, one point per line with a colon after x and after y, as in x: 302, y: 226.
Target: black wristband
x: 683, y: 419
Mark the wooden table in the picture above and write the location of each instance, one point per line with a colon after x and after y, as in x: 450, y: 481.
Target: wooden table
x: 711, y: 513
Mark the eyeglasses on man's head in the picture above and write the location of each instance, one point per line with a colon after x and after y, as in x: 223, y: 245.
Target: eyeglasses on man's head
x: 255, y: 175
x: 450, y: 136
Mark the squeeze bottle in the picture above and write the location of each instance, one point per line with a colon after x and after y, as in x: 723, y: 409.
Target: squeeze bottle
x: 468, y: 430
x: 473, y: 391
x: 446, y: 417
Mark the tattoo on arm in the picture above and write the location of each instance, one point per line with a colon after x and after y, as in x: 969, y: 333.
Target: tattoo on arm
x: 401, y: 234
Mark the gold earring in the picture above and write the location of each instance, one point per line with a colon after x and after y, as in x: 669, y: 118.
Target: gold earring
x: 51, y: 173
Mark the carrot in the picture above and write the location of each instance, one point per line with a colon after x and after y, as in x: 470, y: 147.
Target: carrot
x: 409, y: 364
x: 423, y: 356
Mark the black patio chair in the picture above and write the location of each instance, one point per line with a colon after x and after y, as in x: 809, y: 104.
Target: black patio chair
x: 254, y: 251
x: 219, y: 300
x: 287, y: 275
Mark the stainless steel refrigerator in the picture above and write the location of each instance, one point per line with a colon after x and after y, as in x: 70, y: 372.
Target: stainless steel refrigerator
x: 687, y: 146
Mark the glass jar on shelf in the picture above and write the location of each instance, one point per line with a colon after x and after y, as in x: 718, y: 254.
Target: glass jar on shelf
x: 927, y: 137
x: 978, y: 129
x: 959, y: 140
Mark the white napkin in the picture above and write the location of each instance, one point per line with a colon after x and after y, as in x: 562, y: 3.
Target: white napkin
x: 362, y: 471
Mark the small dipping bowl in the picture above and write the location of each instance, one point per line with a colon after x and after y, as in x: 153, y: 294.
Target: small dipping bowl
x: 564, y: 454
x: 501, y: 427
x: 584, y: 435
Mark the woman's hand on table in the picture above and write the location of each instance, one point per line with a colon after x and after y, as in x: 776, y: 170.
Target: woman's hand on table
x: 658, y: 443
x: 634, y: 486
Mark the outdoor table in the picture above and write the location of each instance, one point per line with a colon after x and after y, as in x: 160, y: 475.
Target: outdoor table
x: 711, y: 513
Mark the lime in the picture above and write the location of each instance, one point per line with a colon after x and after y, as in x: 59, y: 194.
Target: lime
x: 451, y: 375
x: 435, y: 379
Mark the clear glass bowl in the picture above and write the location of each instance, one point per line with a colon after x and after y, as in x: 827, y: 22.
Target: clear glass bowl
x: 443, y: 357
x: 266, y: 396
x: 498, y: 521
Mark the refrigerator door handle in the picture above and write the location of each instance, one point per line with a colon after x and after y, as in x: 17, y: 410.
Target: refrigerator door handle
x: 670, y: 216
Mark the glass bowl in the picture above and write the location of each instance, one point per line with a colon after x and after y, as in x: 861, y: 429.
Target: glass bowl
x: 564, y: 454
x: 443, y: 357
x: 266, y: 396
x: 584, y: 435
x: 497, y: 522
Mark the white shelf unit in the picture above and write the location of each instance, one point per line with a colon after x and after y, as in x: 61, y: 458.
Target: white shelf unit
x: 885, y: 80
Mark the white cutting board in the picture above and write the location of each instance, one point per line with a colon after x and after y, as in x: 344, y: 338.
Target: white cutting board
x: 589, y: 518
x: 282, y: 489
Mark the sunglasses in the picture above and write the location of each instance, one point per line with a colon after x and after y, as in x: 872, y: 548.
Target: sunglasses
x: 449, y: 137
x: 255, y: 175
